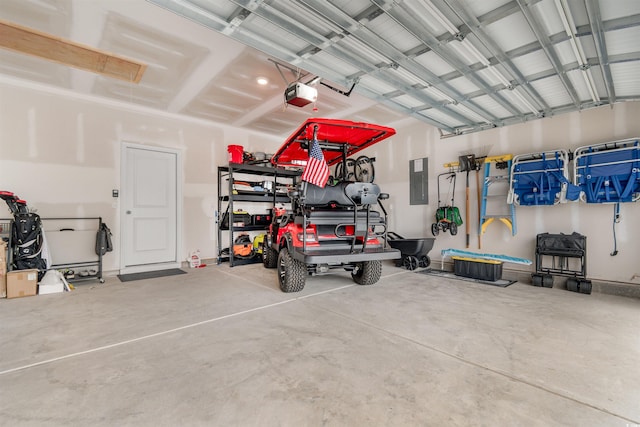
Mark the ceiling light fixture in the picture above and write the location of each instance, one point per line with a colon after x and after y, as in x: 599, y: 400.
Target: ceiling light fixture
x: 262, y: 81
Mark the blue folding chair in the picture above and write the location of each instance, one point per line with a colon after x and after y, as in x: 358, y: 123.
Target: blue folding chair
x: 541, y: 179
x: 609, y: 172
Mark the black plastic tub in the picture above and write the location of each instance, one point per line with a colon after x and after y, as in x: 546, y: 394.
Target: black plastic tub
x: 480, y: 269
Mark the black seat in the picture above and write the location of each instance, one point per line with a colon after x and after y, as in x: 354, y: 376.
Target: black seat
x: 315, y: 196
x: 345, y: 194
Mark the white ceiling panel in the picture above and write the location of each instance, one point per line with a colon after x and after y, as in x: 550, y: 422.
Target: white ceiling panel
x: 203, y: 57
x: 553, y: 92
x: 49, y: 16
x: 329, y: 60
x: 376, y: 85
x: 625, y: 77
x: 377, y: 114
x: 547, y: 14
x: 510, y: 32
x: 362, y: 52
x: 408, y: 101
x: 442, y: 117
x: 577, y: 78
x: 463, y: 85
x: 532, y: 63
x: 492, y: 107
x: 34, y: 69
x: 481, y: 7
x: 351, y: 7
x: 215, y: 7
x: 434, y: 63
x: 386, y: 28
x: 623, y: 41
x: 618, y: 8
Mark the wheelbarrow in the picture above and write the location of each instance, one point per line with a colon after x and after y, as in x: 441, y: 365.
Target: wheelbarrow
x: 414, y: 251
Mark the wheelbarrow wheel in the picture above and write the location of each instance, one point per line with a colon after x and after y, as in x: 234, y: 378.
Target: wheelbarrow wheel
x: 453, y: 228
x: 435, y: 230
x: 411, y: 263
x: 425, y: 261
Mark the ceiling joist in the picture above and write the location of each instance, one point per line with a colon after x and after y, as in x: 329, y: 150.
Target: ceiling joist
x: 36, y: 43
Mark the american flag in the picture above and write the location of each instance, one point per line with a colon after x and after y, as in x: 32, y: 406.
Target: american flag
x: 316, y: 172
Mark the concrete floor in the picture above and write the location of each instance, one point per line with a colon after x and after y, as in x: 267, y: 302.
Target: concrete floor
x: 223, y: 346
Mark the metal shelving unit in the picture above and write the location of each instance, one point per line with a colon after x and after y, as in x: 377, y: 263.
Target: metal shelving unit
x: 77, y: 235
x: 228, y: 198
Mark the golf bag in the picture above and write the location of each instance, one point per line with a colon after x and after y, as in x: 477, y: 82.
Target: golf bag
x: 26, y: 236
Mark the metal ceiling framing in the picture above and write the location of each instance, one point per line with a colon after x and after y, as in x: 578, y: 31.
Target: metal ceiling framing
x: 355, y: 34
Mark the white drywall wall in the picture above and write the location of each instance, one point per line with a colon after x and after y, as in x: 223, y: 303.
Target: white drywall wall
x: 61, y: 153
x: 567, y: 131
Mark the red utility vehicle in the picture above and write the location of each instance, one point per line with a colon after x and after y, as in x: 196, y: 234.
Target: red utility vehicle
x: 336, y: 226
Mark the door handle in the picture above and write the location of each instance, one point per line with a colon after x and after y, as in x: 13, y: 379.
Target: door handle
x: 128, y: 212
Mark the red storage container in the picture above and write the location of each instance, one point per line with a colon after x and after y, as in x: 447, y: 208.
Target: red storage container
x: 236, y: 153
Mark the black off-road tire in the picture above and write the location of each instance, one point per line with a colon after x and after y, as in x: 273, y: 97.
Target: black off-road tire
x: 367, y: 272
x: 269, y: 257
x: 291, y: 273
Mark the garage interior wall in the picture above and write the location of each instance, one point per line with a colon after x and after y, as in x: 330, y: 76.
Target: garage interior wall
x: 62, y: 152
x: 568, y: 131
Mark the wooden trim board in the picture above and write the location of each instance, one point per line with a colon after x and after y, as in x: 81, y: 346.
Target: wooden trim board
x: 32, y: 42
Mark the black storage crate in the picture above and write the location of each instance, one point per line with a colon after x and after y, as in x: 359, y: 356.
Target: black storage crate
x: 261, y: 219
x: 566, y: 255
x: 477, y: 269
x: 240, y: 219
x: 562, y: 247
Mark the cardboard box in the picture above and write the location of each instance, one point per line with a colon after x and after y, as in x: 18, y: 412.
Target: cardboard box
x: 22, y: 283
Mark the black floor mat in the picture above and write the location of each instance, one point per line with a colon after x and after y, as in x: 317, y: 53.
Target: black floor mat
x: 449, y: 275
x: 150, y: 274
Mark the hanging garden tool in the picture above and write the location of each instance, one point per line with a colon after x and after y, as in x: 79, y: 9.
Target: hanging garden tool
x: 447, y: 216
x: 467, y: 163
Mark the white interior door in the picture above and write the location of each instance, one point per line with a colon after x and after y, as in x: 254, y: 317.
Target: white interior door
x: 150, y: 211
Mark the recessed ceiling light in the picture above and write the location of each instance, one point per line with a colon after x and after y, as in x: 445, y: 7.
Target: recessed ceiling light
x: 262, y: 81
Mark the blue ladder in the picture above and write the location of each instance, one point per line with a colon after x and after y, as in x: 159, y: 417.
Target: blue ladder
x: 500, y: 184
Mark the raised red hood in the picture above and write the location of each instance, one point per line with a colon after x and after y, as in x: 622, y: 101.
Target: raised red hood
x: 332, y: 136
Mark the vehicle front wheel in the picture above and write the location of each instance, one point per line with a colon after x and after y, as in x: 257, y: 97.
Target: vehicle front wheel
x: 367, y: 273
x: 291, y: 272
x: 269, y: 257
